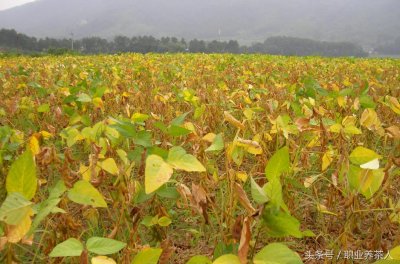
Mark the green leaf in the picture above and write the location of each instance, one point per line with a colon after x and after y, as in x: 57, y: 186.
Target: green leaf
x: 179, y: 159
x: 366, y: 182
x: 223, y: 249
x: 168, y: 192
x: 161, y: 126
x: 278, y: 164
x: 14, y: 209
x: 164, y: 221
x: 104, y: 246
x: 149, y: 220
x: 69, y: 248
x: 58, y: 190
x: 277, y: 253
x: 125, y: 128
x: 227, y: 259
x: 177, y: 131
x: 394, y: 253
x: 179, y: 120
x: 312, y: 88
x: 199, y: 111
x: 366, y: 101
x: 217, y: 144
x: 84, y: 193
x: 308, y: 233
x: 237, y: 154
x: 109, y: 166
x: 84, y: 98
x: 44, y: 108
x: 49, y: 205
x: 139, y: 118
x: 273, y: 190
x: 280, y: 224
x: 44, y: 210
x: 157, y: 173
x: 361, y: 155
x: 22, y: 176
x: 352, y: 130
x: 147, y: 256
x: 143, y: 138
x: 199, y: 260
x: 258, y: 193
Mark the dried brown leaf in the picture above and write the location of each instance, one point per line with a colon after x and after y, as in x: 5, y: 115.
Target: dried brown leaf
x: 200, y: 198
x: 243, y: 199
x: 394, y: 132
x: 232, y: 120
x: 245, y: 238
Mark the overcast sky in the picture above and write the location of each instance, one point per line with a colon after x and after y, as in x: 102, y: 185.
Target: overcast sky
x: 5, y: 4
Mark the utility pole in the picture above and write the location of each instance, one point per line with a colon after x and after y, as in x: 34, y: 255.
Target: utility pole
x: 72, y: 41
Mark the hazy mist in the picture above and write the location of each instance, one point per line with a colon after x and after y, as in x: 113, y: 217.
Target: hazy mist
x: 366, y: 22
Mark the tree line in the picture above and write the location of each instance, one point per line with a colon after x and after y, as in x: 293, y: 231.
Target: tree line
x: 12, y: 41
x: 390, y: 48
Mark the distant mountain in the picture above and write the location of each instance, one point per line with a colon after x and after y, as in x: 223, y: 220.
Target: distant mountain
x: 366, y: 22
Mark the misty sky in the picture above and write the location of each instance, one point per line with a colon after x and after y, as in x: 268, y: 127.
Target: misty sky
x: 5, y: 4
x: 364, y: 22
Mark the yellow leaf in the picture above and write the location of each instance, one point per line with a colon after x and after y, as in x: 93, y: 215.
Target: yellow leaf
x: 322, y: 111
x: 394, y: 104
x: 241, y: 175
x: 356, y: 104
x: 349, y: 121
x: 157, y: 173
x: 98, y: 103
x: 209, y: 137
x: 365, y: 181
x: 257, y: 137
x: 370, y: 120
x: 347, y: 82
x: 45, y: 134
x: 353, y: 130
x: 322, y: 208
x: 16, y: 233
x: 109, y: 166
x: 394, y: 253
x: 361, y: 155
x: 83, y: 75
x: 327, y: 159
x: 267, y: 136
x: 85, y: 172
x: 311, y: 101
x: 248, y: 113
x: 336, y: 128
x: 125, y: 95
x: 102, y: 260
x: 190, y: 126
x: 34, y: 145
x: 247, y: 100
x: 342, y: 101
x: 227, y: 259
x: 250, y: 146
x: 314, y: 141
x: 307, y: 111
